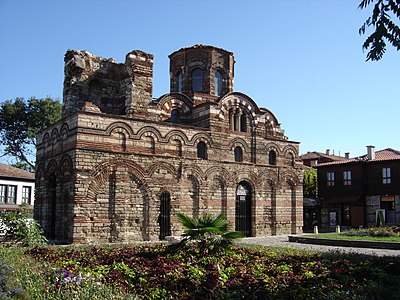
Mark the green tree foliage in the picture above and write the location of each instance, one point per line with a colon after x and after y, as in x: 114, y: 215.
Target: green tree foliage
x: 310, y: 185
x: 210, y: 233
x: 384, y: 28
x: 21, y: 121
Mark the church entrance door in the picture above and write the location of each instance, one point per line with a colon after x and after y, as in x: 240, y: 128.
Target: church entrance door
x: 243, y: 208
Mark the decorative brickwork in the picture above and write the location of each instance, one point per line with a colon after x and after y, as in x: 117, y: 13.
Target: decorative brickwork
x: 120, y: 164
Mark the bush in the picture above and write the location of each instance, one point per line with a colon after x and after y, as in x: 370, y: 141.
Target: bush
x: 373, y: 231
x: 17, y: 228
x: 209, y: 233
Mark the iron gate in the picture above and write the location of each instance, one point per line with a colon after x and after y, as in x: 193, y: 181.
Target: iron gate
x: 243, y: 209
x: 164, y: 217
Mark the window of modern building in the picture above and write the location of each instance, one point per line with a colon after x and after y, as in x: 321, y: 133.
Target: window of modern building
x: 175, y: 116
x: 3, y: 193
x: 330, y: 179
x: 347, y: 177
x: 202, y: 150
x: 386, y: 177
x: 218, y: 83
x: 26, y: 194
x: 12, y: 194
x: 238, y: 154
x: 272, y: 157
x: 8, y: 194
x: 197, y: 80
x: 179, y: 82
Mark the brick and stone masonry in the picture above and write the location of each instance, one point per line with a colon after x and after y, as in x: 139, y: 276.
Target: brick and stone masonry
x: 120, y: 164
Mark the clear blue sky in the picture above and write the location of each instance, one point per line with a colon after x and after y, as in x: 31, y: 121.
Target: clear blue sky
x: 300, y: 59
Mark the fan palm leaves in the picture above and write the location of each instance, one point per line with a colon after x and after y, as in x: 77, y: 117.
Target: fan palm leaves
x: 209, y: 232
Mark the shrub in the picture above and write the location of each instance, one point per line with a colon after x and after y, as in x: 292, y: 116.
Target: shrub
x: 210, y: 233
x: 373, y: 231
x: 17, y: 228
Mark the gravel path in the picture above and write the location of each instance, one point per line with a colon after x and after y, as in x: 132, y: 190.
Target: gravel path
x: 282, y: 241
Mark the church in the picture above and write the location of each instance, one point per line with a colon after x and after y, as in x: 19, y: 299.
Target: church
x: 120, y: 164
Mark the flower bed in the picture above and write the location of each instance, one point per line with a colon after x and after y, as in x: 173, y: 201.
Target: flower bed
x: 152, y: 272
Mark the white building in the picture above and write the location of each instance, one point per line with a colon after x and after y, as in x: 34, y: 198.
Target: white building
x: 16, y: 187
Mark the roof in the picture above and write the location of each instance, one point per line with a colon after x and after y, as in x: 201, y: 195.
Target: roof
x: 200, y: 46
x: 12, y: 172
x: 382, y: 155
x: 316, y: 155
x: 385, y: 154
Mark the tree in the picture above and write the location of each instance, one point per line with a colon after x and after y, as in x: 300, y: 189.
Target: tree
x: 385, y: 28
x: 211, y: 233
x: 21, y: 121
x: 310, y: 183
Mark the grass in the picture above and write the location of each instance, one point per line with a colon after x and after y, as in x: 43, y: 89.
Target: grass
x: 151, y: 272
x: 341, y: 236
x: 379, y: 234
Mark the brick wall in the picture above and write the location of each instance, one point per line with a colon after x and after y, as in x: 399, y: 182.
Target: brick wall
x: 102, y: 173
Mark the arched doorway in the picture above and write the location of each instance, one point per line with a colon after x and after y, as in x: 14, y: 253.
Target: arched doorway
x: 164, y: 217
x: 243, y: 208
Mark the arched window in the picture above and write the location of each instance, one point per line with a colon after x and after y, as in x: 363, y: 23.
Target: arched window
x: 175, y: 116
x: 179, y: 82
x: 291, y: 159
x: 238, y: 154
x: 197, y: 80
x: 178, y: 147
x: 238, y: 120
x: 243, y: 123
x: 218, y: 83
x: 202, y: 150
x: 272, y: 157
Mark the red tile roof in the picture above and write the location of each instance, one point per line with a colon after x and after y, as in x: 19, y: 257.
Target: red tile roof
x: 382, y: 155
x: 386, y: 154
x: 9, y: 171
x: 316, y: 155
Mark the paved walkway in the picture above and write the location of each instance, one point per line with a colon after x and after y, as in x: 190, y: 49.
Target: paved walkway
x: 282, y: 241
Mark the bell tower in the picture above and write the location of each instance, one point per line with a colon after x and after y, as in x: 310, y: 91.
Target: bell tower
x: 204, y: 73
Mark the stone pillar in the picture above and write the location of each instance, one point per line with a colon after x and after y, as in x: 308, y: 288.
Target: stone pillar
x: 237, y: 121
x: 232, y: 120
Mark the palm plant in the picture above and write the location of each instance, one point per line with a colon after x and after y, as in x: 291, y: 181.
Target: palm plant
x: 209, y: 232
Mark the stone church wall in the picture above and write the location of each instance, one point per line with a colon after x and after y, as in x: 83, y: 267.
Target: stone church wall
x: 119, y: 172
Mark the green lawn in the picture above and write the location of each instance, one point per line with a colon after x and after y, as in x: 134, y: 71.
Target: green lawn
x: 372, y: 234
x: 341, y: 236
